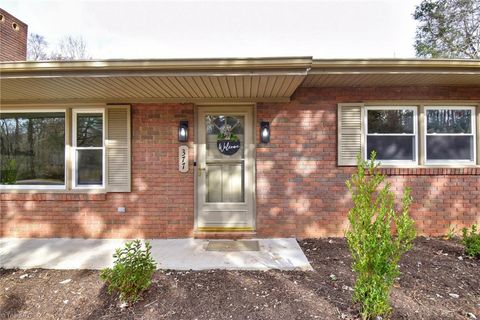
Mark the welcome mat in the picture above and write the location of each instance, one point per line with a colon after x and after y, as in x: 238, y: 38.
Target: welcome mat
x: 230, y: 245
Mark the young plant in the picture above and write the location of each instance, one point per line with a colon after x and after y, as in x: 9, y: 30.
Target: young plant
x: 132, y: 271
x: 451, y: 234
x: 471, y: 241
x: 377, y: 238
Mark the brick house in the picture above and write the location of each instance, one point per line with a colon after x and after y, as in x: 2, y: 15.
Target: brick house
x: 117, y: 127
x: 231, y: 147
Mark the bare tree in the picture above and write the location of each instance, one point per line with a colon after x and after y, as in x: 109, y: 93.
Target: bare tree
x: 37, y: 48
x: 71, y: 48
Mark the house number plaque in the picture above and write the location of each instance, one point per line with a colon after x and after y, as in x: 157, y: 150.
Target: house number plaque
x: 183, y: 159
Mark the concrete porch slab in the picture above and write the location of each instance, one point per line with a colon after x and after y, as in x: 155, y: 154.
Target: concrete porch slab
x: 177, y: 254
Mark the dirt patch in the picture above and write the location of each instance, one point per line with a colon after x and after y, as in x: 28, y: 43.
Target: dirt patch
x: 433, y: 274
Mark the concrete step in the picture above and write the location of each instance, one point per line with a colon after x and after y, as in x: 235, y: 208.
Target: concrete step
x: 177, y: 254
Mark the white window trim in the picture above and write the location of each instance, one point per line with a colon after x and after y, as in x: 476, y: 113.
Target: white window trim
x: 44, y: 186
x: 473, y: 134
x: 73, y: 155
x: 415, y: 134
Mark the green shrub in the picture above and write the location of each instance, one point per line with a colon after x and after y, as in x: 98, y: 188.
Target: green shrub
x: 132, y: 271
x: 471, y: 241
x: 377, y: 238
x: 9, y: 172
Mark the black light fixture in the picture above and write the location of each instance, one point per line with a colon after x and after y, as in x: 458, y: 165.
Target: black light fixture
x: 183, y: 131
x: 265, y: 132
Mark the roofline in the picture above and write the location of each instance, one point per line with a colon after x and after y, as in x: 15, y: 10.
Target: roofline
x: 214, y: 64
x: 394, y: 65
x: 304, y: 65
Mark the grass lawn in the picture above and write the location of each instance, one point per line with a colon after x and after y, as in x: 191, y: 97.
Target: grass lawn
x: 437, y: 282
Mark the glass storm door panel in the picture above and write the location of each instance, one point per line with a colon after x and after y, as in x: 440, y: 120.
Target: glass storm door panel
x: 224, y: 167
x: 225, y: 172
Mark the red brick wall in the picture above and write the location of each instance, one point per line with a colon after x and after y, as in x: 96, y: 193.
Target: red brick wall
x: 13, y: 42
x: 159, y: 206
x: 301, y: 191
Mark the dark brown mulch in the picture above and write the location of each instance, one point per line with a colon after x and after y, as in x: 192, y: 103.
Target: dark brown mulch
x: 430, y: 273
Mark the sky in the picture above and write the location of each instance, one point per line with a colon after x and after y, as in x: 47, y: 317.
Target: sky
x: 201, y: 29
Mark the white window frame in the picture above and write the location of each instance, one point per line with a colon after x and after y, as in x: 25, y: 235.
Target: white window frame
x: 473, y: 134
x: 415, y: 134
x: 73, y: 154
x: 45, y: 186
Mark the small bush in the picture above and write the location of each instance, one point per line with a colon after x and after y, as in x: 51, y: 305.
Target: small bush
x: 132, y: 271
x: 471, y: 241
x: 377, y: 238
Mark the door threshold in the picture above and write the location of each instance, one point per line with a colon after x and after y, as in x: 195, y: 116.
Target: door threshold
x: 225, y: 229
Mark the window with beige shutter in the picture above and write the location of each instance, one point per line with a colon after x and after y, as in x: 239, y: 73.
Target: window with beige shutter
x: 78, y: 149
x: 409, y: 136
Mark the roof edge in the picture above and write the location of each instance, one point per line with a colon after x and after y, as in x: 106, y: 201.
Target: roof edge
x: 217, y: 64
x: 208, y: 65
x: 393, y: 63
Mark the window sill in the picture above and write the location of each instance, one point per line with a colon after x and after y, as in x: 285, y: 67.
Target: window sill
x: 52, y: 195
x: 430, y: 171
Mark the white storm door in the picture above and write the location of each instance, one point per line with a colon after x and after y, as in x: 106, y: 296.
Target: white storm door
x: 225, y: 181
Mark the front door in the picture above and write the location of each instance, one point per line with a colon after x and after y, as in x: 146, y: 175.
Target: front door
x: 225, y: 181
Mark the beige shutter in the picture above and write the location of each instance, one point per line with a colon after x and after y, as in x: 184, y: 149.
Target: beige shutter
x: 118, y: 149
x: 350, y: 133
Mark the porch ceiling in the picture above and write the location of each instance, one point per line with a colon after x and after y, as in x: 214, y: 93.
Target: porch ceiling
x: 393, y: 72
x: 216, y: 80
x: 130, y: 81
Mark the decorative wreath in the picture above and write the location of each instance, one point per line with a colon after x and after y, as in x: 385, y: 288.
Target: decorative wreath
x: 226, y: 132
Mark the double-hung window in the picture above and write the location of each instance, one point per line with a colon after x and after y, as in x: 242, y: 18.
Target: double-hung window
x: 392, y: 133
x: 450, y: 135
x: 88, y: 148
x: 32, y: 149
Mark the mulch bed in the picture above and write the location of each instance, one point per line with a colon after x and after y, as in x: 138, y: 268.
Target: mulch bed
x: 434, y: 272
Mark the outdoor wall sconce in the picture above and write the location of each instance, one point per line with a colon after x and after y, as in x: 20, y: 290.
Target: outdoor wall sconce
x: 265, y: 132
x: 183, y: 131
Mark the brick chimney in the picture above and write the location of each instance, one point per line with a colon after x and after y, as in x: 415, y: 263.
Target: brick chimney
x: 13, y: 38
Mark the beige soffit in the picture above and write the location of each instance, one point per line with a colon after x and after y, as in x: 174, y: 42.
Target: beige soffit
x: 393, y: 72
x: 130, y: 81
